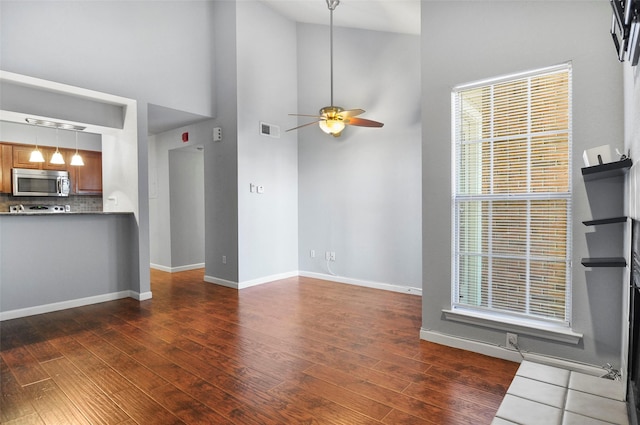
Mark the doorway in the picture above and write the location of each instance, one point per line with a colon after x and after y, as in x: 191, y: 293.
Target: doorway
x: 186, y: 207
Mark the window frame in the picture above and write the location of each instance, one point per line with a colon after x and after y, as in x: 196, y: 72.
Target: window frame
x: 539, y: 326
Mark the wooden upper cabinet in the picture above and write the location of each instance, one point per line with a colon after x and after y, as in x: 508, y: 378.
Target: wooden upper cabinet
x: 6, y: 160
x: 21, y: 156
x: 88, y: 178
x: 48, y: 152
x: 85, y: 180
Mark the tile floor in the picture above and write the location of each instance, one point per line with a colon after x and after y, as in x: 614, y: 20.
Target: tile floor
x: 546, y: 395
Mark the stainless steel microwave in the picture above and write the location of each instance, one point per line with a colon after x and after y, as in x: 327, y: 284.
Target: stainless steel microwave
x: 28, y: 182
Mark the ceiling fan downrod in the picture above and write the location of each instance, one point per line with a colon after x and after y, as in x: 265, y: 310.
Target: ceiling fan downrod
x: 331, y: 4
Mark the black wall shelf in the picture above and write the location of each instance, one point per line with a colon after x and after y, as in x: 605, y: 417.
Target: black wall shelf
x: 604, y: 262
x: 605, y: 221
x: 603, y: 171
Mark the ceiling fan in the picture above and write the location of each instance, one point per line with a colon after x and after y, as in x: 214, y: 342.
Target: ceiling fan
x: 333, y: 119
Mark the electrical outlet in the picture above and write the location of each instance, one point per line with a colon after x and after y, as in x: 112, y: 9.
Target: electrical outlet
x: 332, y: 256
x: 512, y: 341
x: 224, y: 259
x: 312, y: 253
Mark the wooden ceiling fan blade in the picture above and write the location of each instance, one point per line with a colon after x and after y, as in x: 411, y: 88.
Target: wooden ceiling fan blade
x: 304, y: 125
x: 361, y: 122
x: 306, y: 115
x: 351, y: 112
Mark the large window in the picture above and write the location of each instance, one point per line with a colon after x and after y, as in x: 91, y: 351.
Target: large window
x: 512, y: 195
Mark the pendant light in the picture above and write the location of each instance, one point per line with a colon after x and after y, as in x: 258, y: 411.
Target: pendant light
x: 36, y: 155
x: 57, y: 158
x: 76, y: 159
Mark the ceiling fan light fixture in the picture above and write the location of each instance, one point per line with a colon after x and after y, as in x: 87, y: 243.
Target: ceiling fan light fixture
x: 332, y: 123
x: 332, y: 126
x: 333, y: 119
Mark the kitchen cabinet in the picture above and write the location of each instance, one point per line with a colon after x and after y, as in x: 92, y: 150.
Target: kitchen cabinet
x: 85, y: 180
x: 21, y: 154
x: 48, y: 152
x: 6, y: 158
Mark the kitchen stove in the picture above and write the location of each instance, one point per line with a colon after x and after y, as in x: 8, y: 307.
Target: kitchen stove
x: 17, y: 209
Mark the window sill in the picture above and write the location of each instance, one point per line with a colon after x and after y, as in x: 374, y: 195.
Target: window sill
x: 520, y: 326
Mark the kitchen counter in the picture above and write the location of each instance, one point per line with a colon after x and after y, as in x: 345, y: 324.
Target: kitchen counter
x: 53, y: 261
x: 65, y: 213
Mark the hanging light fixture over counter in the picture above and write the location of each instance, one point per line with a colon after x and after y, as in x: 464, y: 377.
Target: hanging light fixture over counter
x: 53, y: 124
x: 56, y: 158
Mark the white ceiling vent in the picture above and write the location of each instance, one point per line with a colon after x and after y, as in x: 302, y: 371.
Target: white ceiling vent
x: 270, y: 130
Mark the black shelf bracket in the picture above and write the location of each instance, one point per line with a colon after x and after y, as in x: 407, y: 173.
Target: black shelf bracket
x: 604, y: 262
x: 610, y: 169
x: 605, y: 221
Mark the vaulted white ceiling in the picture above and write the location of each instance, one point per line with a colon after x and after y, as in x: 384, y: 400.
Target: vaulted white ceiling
x: 400, y: 16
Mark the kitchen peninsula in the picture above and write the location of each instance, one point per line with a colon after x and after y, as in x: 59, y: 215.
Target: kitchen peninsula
x: 54, y: 261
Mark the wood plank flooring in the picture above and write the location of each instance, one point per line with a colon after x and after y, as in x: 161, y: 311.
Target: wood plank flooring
x: 295, y: 351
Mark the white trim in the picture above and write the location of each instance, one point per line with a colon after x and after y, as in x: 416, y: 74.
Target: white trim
x: 63, y: 305
x: 521, y: 326
x: 141, y: 296
x: 177, y: 269
x: 250, y: 283
x: 267, y: 279
x: 160, y: 267
x: 222, y: 282
x: 501, y: 352
x: 366, y: 283
x: 515, y: 76
x: 331, y: 278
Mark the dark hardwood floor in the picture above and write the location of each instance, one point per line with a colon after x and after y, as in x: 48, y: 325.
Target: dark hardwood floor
x: 295, y: 351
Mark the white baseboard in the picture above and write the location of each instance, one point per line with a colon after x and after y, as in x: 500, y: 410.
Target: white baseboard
x: 503, y: 353
x: 63, y: 305
x: 250, y: 283
x: 266, y: 279
x: 365, y: 283
x: 47, y: 308
x: 331, y: 278
x: 141, y: 296
x: 177, y: 269
x: 222, y: 282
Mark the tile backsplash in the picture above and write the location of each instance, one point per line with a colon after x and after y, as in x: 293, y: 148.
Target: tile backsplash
x: 82, y: 203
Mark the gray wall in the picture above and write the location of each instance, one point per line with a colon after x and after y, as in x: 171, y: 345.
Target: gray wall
x: 221, y: 161
x: 91, y: 255
x: 496, y: 38
x: 139, y: 50
x: 359, y: 194
x: 158, y: 51
x: 266, y: 90
x: 26, y: 134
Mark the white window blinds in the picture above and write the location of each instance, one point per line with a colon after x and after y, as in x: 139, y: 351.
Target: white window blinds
x: 512, y: 195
